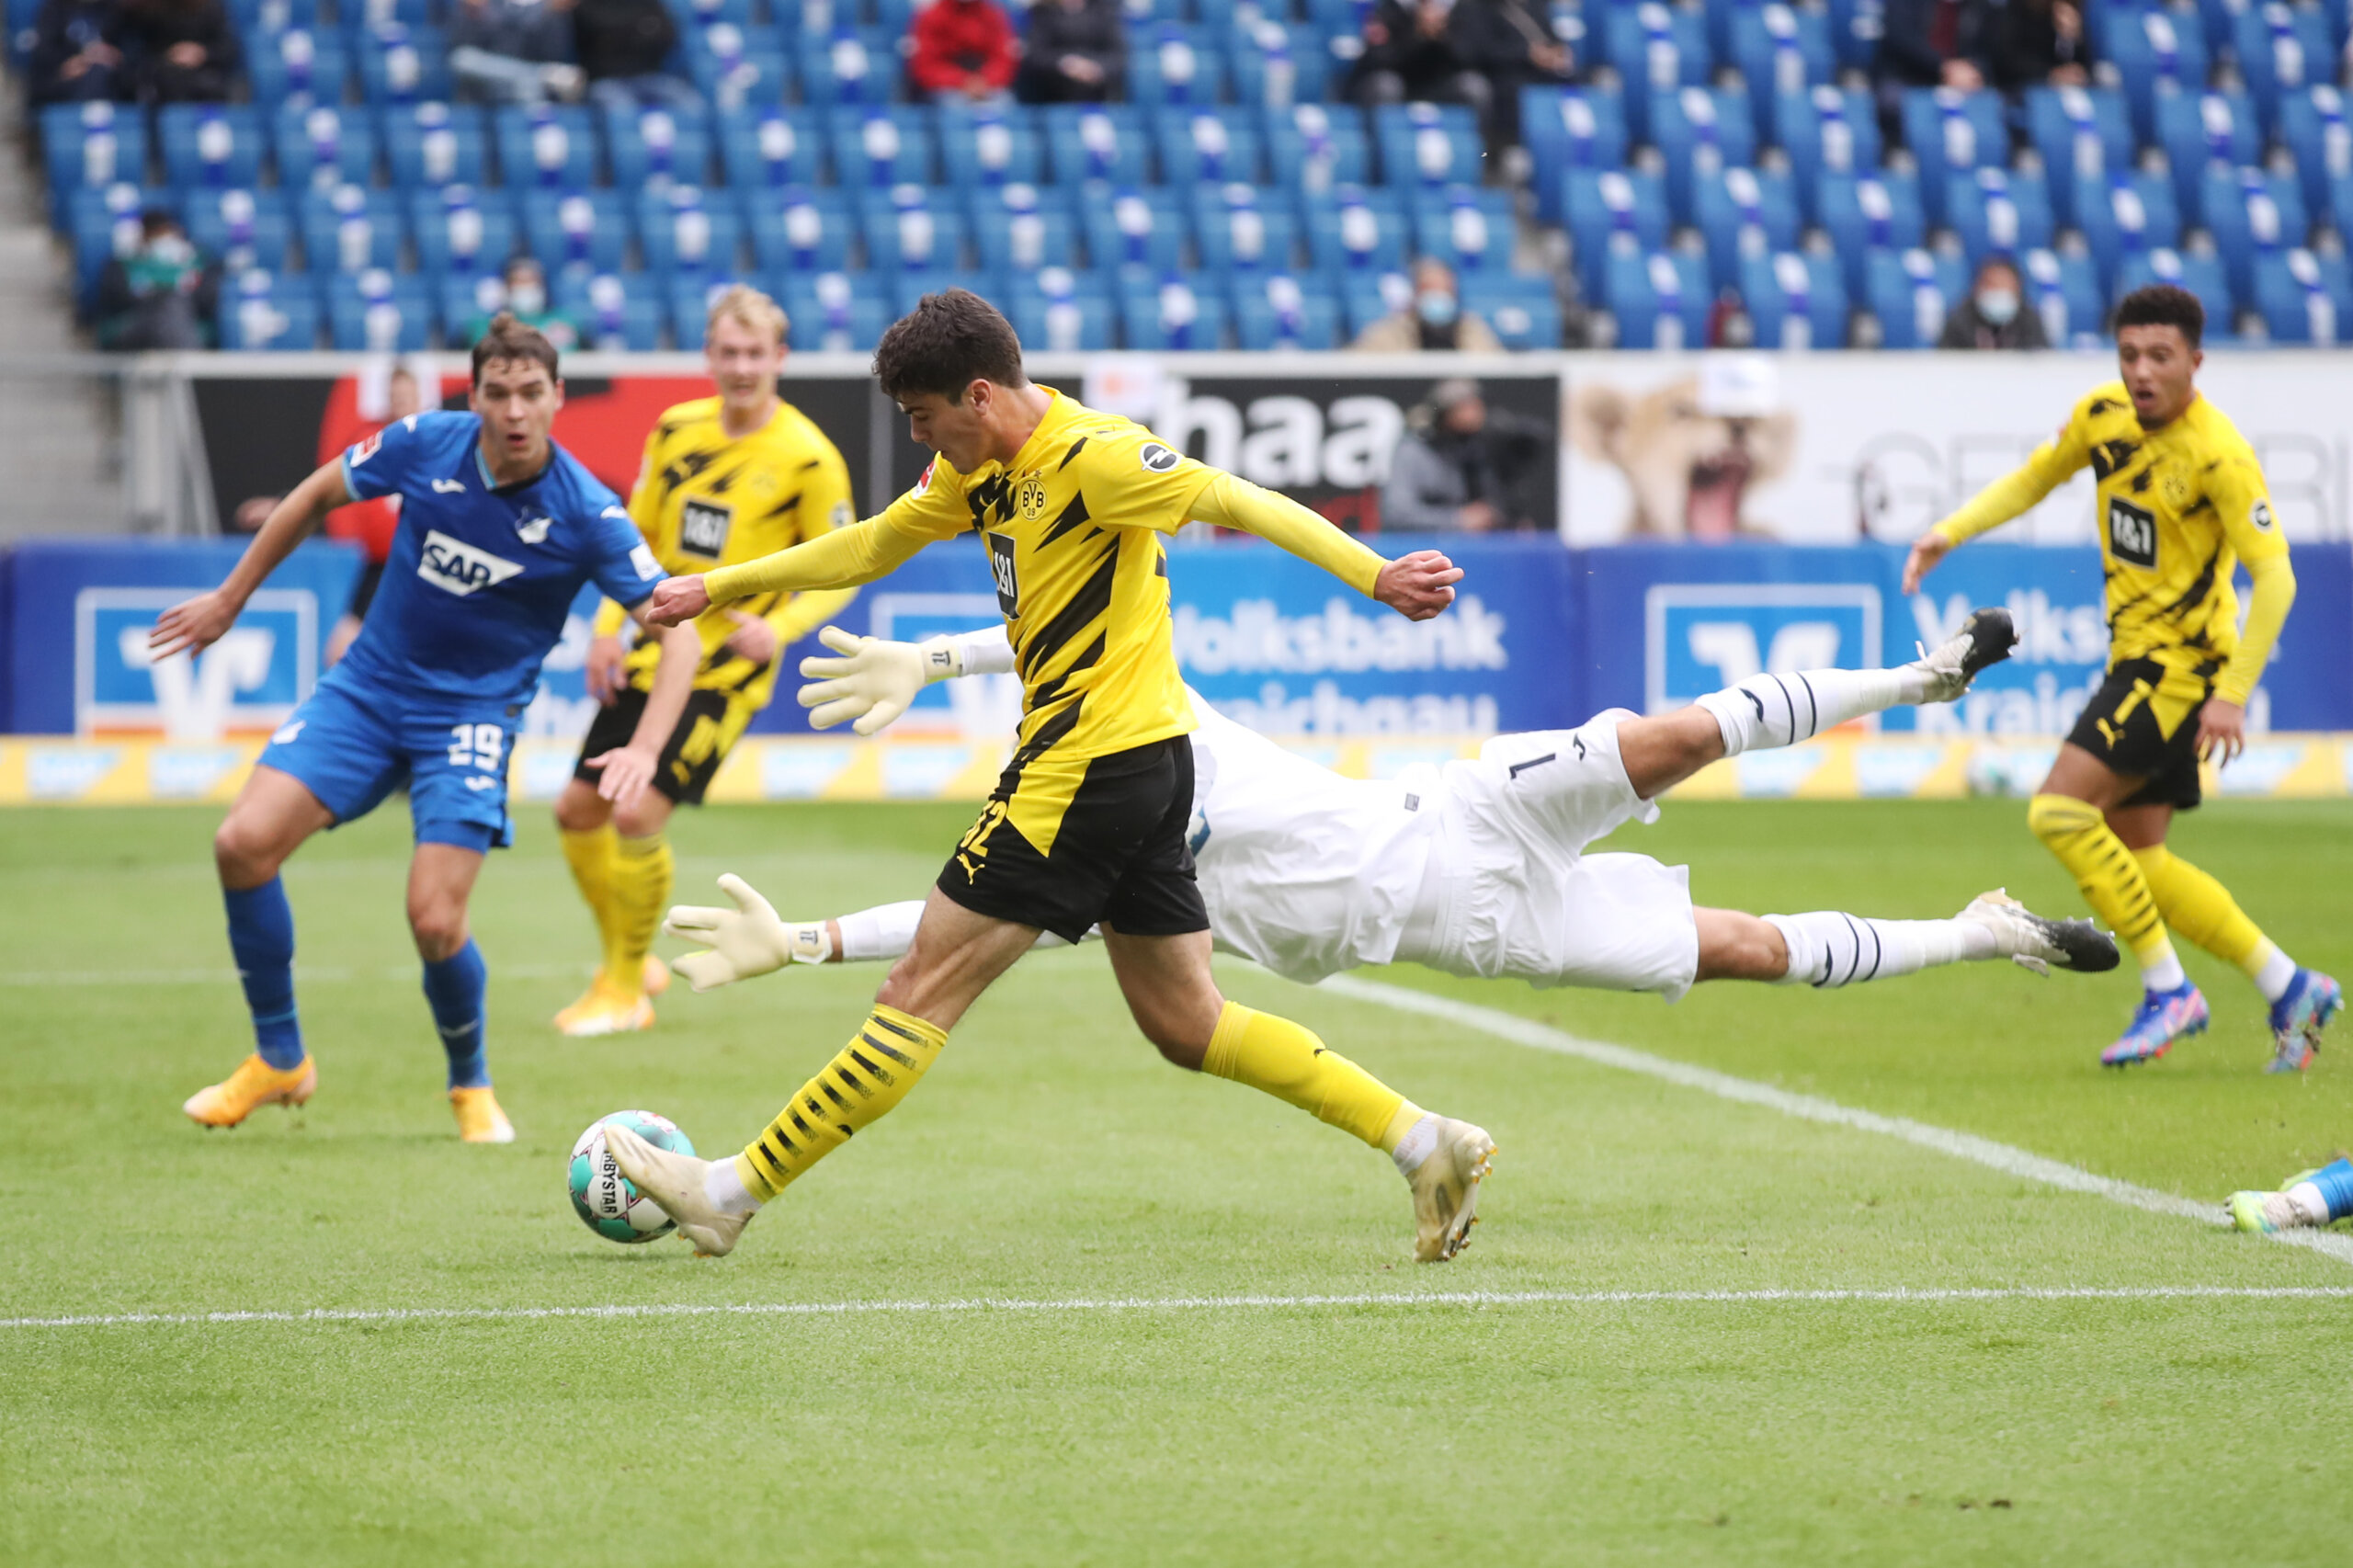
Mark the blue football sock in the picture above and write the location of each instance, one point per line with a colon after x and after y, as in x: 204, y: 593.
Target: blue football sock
x: 455, y: 988
x: 261, y: 937
x: 2336, y: 1183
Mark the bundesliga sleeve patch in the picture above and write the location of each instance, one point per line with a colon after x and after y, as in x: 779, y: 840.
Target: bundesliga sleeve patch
x: 923, y: 481
x: 1157, y: 458
x: 2261, y: 516
x: 642, y: 559
x: 365, y: 448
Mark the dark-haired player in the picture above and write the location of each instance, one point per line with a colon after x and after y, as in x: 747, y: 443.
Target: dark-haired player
x: 1087, y: 826
x: 2181, y: 503
x: 499, y: 528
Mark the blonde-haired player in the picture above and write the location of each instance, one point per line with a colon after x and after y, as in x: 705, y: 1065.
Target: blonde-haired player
x: 726, y: 479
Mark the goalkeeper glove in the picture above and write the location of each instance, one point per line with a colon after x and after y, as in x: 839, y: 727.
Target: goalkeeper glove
x: 874, y: 681
x: 744, y: 941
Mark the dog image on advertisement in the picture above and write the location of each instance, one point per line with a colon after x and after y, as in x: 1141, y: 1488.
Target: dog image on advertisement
x: 1693, y: 450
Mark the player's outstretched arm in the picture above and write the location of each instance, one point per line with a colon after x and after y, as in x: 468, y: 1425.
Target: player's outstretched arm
x: 749, y: 939
x: 874, y: 680
x: 194, y: 625
x: 630, y: 769
x: 1416, y: 586
x: 842, y: 559
x: 2016, y: 492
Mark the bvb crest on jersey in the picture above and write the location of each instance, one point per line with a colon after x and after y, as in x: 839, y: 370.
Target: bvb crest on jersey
x: 1031, y: 497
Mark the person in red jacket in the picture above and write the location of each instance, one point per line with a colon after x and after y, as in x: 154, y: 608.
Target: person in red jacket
x: 962, y: 49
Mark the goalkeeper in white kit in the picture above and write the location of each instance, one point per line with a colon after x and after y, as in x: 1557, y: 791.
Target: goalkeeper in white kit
x: 1476, y: 868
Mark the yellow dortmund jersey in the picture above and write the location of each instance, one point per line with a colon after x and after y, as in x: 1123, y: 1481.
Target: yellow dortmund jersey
x: 2179, y: 507
x: 1072, y: 529
x: 705, y: 499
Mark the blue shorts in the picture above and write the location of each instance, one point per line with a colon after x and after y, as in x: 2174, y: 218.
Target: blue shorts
x: 351, y: 745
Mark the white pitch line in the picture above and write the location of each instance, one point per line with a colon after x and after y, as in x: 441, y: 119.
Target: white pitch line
x: 1902, y: 1297
x: 2003, y: 1157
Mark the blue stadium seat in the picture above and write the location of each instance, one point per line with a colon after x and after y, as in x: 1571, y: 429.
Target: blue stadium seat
x: 2282, y: 49
x: 1367, y: 296
x: 90, y: 147
x: 1524, y: 311
x: 2132, y: 212
x: 1317, y: 146
x: 2216, y: 17
x: 1569, y: 128
x: 402, y: 63
x: 1867, y: 214
x: 1059, y: 311
x: 690, y: 14
x: 215, y: 144
x: 463, y: 298
x: 879, y: 146
x: 851, y: 65
x: 1281, y: 310
x: 2197, y: 130
x: 296, y: 67
x: 921, y: 229
x: 1427, y: 144
x: 1359, y: 229
x: 796, y: 228
x: 1468, y: 227
x: 2083, y: 134
x: 616, y: 311
x: 736, y: 67
x: 2160, y: 50
x: 320, y: 144
x: 1610, y: 210
x: 2249, y: 213
x: 1655, y: 49
x: 2340, y: 204
x: 1273, y: 65
x: 1135, y: 229
x: 1826, y: 130
x: 2201, y: 275
x: 771, y: 146
x: 379, y: 313
x: 1701, y: 132
x: 2065, y: 291
x: 831, y: 312
x: 649, y: 147
x: 583, y: 229
x: 1097, y: 141
x: 2318, y: 131
x: 687, y: 298
x: 1911, y: 291
x: 2304, y: 298
x: 1740, y: 212
x: 904, y: 288
x: 553, y: 147
x: 364, y: 16
x: 262, y: 310
x: 1999, y: 213
x: 255, y: 17
x: 1217, y: 146
x: 1796, y: 300
x: 1659, y: 299
x: 462, y: 229
x: 687, y: 229
x: 103, y: 222
x: 991, y: 145
x: 1015, y: 232
x: 349, y: 228
x: 435, y: 145
x: 240, y: 228
x: 1243, y: 227
x: 1855, y: 30
x: 1951, y: 132
x: 1173, y: 314
x: 1780, y: 49
x: 1170, y: 64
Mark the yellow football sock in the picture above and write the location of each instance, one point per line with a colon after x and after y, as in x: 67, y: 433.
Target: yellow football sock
x: 2110, y: 878
x: 591, y: 856
x: 2202, y: 909
x: 642, y: 869
x: 1280, y: 1058
x: 872, y: 1073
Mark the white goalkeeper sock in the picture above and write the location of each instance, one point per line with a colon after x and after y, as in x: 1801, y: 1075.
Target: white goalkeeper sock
x: 886, y: 931
x: 1783, y: 711
x: 1828, y: 948
x: 722, y: 1185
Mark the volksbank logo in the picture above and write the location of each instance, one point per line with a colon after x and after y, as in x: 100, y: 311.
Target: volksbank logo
x: 460, y: 567
x: 1255, y: 636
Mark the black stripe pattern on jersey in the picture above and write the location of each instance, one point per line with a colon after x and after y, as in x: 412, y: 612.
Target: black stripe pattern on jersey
x: 1088, y: 603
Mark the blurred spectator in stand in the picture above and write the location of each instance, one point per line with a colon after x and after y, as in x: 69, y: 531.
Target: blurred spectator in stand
x: 961, y: 49
x: 1510, y: 44
x: 1463, y: 467
x: 77, y: 53
x: 527, y: 301
x: 1075, y: 52
x: 623, y: 47
x: 181, y: 51
x: 1435, y: 319
x: 370, y: 524
x: 161, y: 295
x: 514, y: 51
x: 1928, y: 44
x: 1995, y: 315
x: 1410, y: 56
x: 2037, y: 44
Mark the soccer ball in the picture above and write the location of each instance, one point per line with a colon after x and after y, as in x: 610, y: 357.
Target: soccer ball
x: 606, y: 1201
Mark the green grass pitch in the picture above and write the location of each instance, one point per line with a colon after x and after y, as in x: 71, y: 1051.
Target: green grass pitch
x: 1052, y: 1158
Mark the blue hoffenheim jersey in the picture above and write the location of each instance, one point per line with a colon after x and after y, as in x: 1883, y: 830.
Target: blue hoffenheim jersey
x: 478, y: 580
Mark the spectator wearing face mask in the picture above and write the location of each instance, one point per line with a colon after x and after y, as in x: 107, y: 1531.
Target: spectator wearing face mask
x: 526, y: 301
x: 1994, y: 315
x: 1435, y: 319
x: 1463, y: 467
x: 161, y: 295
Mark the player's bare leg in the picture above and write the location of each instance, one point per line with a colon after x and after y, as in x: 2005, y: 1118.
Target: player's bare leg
x: 621, y: 862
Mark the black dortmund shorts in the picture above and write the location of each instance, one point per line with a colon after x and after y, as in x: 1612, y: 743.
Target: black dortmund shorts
x: 1066, y: 845
x: 706, y: 732
x: 2142, y: 722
